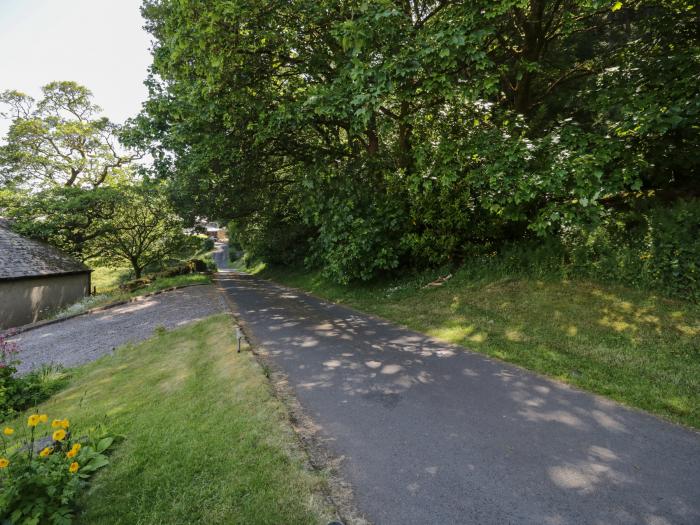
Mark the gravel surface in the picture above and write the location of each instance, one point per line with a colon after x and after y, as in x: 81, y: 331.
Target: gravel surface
x: 85, y: 338
x: 433, y: 433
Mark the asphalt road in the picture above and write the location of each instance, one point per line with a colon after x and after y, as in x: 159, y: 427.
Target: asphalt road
x: 436, y: 434
x: 220, y: 254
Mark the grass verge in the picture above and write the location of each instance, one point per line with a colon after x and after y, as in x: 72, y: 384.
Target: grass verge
x: 205, y: 440
x: 632, y: 346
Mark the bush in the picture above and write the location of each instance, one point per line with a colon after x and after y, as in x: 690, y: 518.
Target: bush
x: 191, y: 266
x: 45, y: 471
x: 198, y: 265
x: 656, y: 248
x: 135, y: 284
x: 207, y: 244
x: 19, y: 393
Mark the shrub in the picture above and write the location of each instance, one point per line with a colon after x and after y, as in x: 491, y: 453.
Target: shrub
x: 656, y: 248
x: 135, y: 284
x: 21, y: 392
x: 45, y: 471
x: 198, y: 265
x: 653, y: 248
x: 9, y: 385
x: 207, y: 244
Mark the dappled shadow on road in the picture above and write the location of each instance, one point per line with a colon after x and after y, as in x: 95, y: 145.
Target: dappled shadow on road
x: 481, y: 427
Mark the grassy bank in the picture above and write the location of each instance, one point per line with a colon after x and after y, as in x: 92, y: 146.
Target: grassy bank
x: 106, y: 279
x: 205, y: 441
x: 629, y: 345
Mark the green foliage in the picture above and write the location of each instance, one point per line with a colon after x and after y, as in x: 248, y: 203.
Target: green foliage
x: 42, y: 485
x: 207, y: 244
x: 21, y: 392
x: 369, y: 136
x: 69, y: 218
x: 59, y: 140
x: 144, y: 230
x: 656, y: 248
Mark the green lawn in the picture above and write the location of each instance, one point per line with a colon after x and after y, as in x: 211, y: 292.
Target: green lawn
x: 632, y: 346
x: 107, y: 279
x: 205, y: 440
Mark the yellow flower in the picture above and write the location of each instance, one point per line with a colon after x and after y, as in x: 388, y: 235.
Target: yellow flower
x: 4, y: 462
x: 33, y: 420
x: 73, y: 467
x: 65, y: 423
x: 45, y: 452
x: 43, y: 418
x: 56, y: 423
x: 76, y: 447
x: 71, y: 453
x: 59, y: 435
x: 8, y: 431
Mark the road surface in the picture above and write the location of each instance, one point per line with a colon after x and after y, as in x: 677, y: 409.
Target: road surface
x: 434, y: 434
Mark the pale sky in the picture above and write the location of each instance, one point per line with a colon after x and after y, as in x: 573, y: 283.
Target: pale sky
x: 97, y: 43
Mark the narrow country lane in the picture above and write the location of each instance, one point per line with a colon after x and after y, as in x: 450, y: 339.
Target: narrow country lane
x: 432, y: 433
x: 220, y: 254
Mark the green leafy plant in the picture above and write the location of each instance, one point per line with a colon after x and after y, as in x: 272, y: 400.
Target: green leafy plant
x: 44, y: 471
x: 21, y: 392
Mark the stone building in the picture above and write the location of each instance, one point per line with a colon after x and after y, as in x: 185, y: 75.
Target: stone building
x: 36, y: 278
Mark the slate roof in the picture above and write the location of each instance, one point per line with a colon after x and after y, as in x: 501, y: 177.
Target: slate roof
x: 21, y: 257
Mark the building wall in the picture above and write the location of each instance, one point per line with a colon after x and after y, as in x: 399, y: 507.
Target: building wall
x: 25, y: 300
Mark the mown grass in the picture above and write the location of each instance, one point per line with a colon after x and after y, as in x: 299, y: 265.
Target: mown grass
x: 205, y: 440
x: 106, y: 279
x: 632, y: 346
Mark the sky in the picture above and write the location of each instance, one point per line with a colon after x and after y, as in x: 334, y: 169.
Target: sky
x: 98, y: 43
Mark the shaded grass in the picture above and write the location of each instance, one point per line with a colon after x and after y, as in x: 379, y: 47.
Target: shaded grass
x: 633, y: 346
x: 205, y: 441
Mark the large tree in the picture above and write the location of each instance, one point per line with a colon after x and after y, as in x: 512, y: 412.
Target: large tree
x: 143, y: 231
x: 69, y: 218
x: 383, y: 133
x: 59, y: 140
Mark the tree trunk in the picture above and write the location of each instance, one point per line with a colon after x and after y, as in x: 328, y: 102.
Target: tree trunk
x: 405, y: 132
x: 138, y: 269
x: 372, y: 137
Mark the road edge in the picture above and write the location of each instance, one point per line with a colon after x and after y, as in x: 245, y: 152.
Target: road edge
x: 338, y: 490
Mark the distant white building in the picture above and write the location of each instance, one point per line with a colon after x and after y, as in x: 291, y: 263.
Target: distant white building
x: 210, y: 229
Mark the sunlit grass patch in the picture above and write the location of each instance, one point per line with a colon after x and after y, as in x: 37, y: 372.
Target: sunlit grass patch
x: 631, y: 345
x: 206, y: 442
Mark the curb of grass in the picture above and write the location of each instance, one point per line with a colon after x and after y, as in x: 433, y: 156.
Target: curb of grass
x: 337, y: 491
x: 39, y: 324
x: 457, y: 346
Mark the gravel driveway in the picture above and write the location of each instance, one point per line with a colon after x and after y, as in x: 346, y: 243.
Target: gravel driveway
x: 85, y: 338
